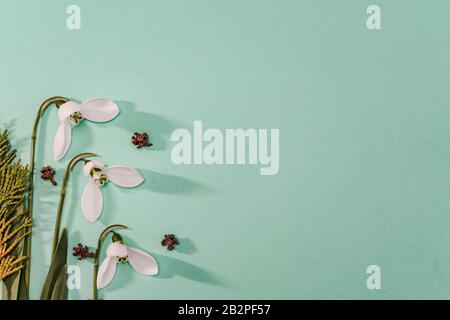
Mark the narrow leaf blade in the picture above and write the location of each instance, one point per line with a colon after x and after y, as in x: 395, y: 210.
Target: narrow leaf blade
x: 60, y: 290
x: 58, y: 262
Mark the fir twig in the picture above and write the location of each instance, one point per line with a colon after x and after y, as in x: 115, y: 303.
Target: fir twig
x: 14, y: 225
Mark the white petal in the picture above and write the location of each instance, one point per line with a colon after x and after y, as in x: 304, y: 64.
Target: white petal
x: 117, y: 249
x: 92, y: 201
x: 124, y: 176
x: 93, y: 163
x: 99, y: 110
x: 67, y: 108
x: 142, y: 262
x: 106, y: 272
x: 62, y: 140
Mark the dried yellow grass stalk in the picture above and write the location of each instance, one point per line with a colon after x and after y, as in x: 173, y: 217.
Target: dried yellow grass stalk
x: 14, y: 224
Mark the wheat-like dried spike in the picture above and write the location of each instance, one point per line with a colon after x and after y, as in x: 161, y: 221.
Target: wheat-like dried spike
x: 14, y: 244
x: 9, y: 266
x: 7, y: 236
x: 4, y: 224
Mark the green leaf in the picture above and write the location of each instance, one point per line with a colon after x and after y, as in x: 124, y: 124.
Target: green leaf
x: 54, y: 288
x: 14, y: 287
x: 60, y: 291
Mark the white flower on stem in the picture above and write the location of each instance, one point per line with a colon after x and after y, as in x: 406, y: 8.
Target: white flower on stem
x: 116, y: 253
x: 71, y: 114
x: 99, y: 175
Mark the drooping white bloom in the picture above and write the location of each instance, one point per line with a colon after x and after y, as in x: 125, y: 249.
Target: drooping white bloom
x: 117, y: 252
x: 71, y: 114
x: 99, y: 175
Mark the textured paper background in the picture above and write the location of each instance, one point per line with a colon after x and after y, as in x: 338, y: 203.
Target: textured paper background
x: 364, y: 126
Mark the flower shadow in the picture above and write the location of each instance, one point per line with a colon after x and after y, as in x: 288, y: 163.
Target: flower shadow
x: 158, y: 127
x: 169, y: 268
x: 169, y: 184
x: 185, y: 246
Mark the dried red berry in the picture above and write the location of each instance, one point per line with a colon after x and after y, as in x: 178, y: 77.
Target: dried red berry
x: 82, y: 252
x: 170, y: 241
x: 47, y: 173
x: 141, y: 140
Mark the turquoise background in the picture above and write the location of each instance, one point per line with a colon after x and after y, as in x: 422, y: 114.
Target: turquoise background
x: 364, y: 155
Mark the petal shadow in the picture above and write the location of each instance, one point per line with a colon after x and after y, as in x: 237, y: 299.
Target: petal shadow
x: 185, y: 246
x: 169, y: 184
x: 158, y: 127
x: 170, y: 267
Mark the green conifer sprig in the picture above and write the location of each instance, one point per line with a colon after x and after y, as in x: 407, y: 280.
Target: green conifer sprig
x: 14, y: 224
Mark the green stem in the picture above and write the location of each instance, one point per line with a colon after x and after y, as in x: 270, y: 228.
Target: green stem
x: 58, y: 101
x: 101, y: 239
x: 62, y: 195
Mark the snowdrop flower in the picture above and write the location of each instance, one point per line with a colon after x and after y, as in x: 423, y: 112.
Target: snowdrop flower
x: 99, y: 175
x: 116, y: 253
x: 71, y: 114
